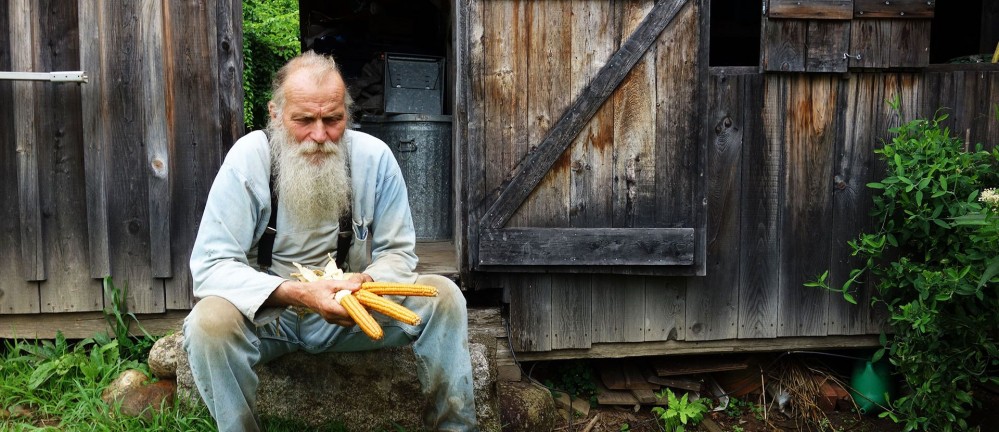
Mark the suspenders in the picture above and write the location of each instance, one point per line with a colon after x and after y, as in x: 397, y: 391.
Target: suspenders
x: 265, y: 246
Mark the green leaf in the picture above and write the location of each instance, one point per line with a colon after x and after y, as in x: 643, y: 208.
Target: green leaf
x: 876, y: 185
x: 849, y: 298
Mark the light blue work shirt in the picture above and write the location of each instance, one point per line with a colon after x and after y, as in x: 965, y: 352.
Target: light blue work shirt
x: 224, y: 259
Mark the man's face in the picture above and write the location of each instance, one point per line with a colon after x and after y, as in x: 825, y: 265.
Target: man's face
x: 314, y: 110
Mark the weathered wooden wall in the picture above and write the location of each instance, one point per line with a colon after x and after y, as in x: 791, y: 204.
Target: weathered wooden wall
x: 109, y: 177
x: 787, y: 159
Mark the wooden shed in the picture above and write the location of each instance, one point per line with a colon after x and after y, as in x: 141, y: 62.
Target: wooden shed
x: 635, y: 177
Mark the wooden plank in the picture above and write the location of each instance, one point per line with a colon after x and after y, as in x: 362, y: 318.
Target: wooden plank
x: 229, y: 30
x: 665, y: 312
x: 827, y: 42
x: 195, y: 129
x: 783, y: 45
x: 68, y: 286
x: 474, y: 97
x: 536, y: 164
x: 759, y: 221
x: 19, y: 295
x: 811, y: 9
x: 571, y: 303
x: 909, y: 43
x: 674, y: 366
x: 712, y: 301
x: 96, y: 148
x: 530, y: 312
x: 617, y: 309
x: 806, y: 214
x: 459, y: 138
x: 594, y: 40
x: 24, y: 40
x: 725, y: 346
x: 624, y: 376
x: 991, y: 140
x: 127, y: 190
x: 436, y: 257
x: 80, y: 325
x: 587, y: 246
x: 677, y: 144
x: 907, y: 9
x: 155, y: 137
x: 633, y: 191
x: 549, y: 66
x: 505, y: 84
x: 870, y: 40
x: 852, y: 199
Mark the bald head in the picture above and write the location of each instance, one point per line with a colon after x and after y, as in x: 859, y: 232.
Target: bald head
x: 307, y: 70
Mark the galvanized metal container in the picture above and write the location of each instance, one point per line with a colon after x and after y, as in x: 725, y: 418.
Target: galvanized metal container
x: 421, y: 144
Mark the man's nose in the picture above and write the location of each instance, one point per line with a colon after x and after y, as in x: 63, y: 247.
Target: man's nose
x: 317, y: 132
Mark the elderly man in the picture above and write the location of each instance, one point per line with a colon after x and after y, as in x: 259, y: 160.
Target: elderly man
x: 319, y: 171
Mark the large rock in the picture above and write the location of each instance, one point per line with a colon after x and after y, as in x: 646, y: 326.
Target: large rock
x: 366, y: 390
x: 526, y: 407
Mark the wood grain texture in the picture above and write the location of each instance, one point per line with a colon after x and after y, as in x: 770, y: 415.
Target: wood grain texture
x: 811, y: 9
x: 68, y: 286
x: 24, y: 31
x: 906, y: 9
x: 712, y: 302
x: 505, y: 138
x: 806, y: 214
x: 93, y: 108
x: 783, y: 45
x: 229, y: 31
x: 677, y: 141
x: 533, y: 168
x: 458, y: 68
x: 530, y: 311
x: 618, y: 309
x: 870, y: 39
x: 549, y: 69
x: 665, y: 310
x: 197, y: 151
x: 634, y: 100
x: 474, y: 97
x: 909, y: 43
x: 759, y: 252
x: 16, y: 294
x: 571, y: 305
x: 594, y: 40
x: 156, y: 137
x: 127, y: 185
x: 827, y: 42
x: 587, y: 246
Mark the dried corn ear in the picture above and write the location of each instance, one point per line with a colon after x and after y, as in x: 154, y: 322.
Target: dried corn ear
x: 395, y: 288
x: 387, y: 307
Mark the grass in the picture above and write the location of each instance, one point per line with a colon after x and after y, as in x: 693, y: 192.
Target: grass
x: 56, y: 385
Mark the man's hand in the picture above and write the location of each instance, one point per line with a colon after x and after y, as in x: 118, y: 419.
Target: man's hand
x: 318, y: 296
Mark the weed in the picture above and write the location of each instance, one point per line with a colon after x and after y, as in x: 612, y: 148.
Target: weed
x: 680, y: 412
x: 577, y: 380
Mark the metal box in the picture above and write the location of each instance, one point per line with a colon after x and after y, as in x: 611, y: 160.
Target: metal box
x: 414, y: 84
x: 421, y: 143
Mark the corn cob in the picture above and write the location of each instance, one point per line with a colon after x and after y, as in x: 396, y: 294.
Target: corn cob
x: 387, y: 307
x: 393, y: 288
x: 361, y: 316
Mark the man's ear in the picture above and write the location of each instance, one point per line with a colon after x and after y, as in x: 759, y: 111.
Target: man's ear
x: 272, y: 109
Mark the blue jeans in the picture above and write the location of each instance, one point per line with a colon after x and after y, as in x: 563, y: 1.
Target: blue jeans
x: 223, y: 347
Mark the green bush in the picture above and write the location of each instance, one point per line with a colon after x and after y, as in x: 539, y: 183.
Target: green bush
x: 270, y: 38
x: 934, y: 262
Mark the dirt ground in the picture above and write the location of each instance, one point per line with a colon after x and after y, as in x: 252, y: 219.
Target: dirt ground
x: 749, y: 412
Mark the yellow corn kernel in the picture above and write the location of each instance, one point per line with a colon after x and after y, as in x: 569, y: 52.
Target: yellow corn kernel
x: 387, y: 307
x: 361, y: 316
x: 395, y: 288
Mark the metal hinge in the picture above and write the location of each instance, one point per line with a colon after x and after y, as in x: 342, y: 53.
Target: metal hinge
x: 71, y: 76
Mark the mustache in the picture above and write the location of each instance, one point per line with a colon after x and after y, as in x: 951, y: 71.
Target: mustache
x: 307, y: 147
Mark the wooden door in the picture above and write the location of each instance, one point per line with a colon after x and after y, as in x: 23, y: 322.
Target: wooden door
x: 583, y: 147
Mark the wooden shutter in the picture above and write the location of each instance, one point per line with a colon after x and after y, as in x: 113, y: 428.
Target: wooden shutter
x: 834, y: 35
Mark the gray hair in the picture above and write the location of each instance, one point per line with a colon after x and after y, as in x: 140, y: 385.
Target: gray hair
x: 320, y: 66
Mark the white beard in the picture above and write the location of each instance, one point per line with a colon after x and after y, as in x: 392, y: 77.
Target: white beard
x: 312, y: 181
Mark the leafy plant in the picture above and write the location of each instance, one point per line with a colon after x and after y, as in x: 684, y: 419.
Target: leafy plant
x: 680, y: 412
x: 119, y: 320
x: 577, y: 380
x: 270, y: 39
x: 934, y: 261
